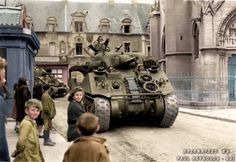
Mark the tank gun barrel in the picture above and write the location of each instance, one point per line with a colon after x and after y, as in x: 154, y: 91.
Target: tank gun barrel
x: 93, y: 48
x: 118, y: 48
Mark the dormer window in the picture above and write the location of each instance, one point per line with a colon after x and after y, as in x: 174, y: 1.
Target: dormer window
x: 78, y: 21
x: 126, y: 25
x: 104, y: 25
x: 51, y: 24
x: 29, y: 22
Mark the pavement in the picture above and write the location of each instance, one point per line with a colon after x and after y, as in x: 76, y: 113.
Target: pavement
x: 56, y: 153
x: 50, y: 153
x: 223, y: 114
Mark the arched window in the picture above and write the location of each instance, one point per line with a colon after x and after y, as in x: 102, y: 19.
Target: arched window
x: 79, y: 46
x: 104, y: 25
x: 51, y: 24
x: 62, y: 47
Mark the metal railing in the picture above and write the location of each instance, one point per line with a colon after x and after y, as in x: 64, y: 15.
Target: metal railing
x: 213, y: 89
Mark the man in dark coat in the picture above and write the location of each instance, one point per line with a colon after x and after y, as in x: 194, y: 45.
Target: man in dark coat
x: 22, y: 95
x: 4, y: 154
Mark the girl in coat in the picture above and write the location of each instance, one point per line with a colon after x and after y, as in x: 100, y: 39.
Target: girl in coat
x: 75, y: 109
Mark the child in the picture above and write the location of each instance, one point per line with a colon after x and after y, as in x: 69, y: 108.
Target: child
x: 87, y: 147
x: 27, y: 147
x: 75, y: 109
x: 48, y: 113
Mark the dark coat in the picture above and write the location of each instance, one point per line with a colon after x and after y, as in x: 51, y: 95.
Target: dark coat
x: 4, y: 154
x: 75, y: 109
x: 22, y: 95
x: 87, y: 149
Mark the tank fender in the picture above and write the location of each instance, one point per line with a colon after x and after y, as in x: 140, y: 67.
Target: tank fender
x: 115, y: 111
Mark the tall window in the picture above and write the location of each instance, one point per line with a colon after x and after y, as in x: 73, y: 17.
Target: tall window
x: 52, y: 48
x: 126, y: 47
x: 195, y: 40
x: 78, y: 26
x: 79, y: 49
x: 148, y: 50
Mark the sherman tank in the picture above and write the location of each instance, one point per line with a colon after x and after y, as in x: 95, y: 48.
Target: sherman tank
x: 58, y: 88
x: 121, y: 86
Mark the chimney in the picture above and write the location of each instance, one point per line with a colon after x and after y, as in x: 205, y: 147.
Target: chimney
x: 134, y: 3
x: 111, y: 2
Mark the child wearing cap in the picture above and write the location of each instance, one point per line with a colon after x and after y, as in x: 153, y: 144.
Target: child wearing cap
x: 75, y: 109
x: 28, y: 147
x: 87, y: 147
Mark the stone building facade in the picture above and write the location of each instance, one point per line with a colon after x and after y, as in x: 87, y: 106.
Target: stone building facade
x: 66, y: 31
x: 197, y: 48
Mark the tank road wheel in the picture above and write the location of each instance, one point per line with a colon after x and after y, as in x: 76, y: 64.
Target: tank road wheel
x: 102, y: 111
x: 171, y: 111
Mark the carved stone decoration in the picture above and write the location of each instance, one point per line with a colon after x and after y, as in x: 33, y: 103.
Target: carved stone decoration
x: 226, y: 35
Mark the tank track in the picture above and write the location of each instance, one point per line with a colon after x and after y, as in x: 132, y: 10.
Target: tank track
x: 171, y: 111
x: 102, y: 111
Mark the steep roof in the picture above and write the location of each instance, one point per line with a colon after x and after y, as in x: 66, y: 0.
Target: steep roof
x: 61, y: 10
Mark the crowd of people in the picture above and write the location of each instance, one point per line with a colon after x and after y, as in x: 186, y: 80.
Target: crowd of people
x: 34, y: 114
